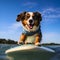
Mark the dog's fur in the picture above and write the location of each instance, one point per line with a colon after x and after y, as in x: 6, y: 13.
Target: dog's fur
x: 31, y: 24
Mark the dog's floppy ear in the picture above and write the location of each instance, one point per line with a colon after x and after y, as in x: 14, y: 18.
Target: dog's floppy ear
x: 21, y: 16
x: 38, y: 15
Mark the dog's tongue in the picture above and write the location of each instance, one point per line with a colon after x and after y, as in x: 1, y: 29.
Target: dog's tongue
x: 30, y: 26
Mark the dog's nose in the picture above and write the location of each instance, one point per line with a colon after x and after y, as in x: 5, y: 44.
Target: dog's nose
x: 30, y: 21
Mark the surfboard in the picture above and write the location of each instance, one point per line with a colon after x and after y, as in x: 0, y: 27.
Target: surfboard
x: 29, y: 52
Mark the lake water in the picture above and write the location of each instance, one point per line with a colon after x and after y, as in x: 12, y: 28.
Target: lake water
x: 4, y: 47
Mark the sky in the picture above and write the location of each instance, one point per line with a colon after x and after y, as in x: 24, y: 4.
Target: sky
x: 50, y: 24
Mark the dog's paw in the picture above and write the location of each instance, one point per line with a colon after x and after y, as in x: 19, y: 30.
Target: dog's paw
x: 37, y: 44
x: 21, y: 42
x: 26, y: 42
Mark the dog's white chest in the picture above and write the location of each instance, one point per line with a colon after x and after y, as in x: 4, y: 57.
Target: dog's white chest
x: 30, y: 39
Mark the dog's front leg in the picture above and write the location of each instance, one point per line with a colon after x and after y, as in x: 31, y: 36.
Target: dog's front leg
x: 38, y: 39
x: 22, y: 39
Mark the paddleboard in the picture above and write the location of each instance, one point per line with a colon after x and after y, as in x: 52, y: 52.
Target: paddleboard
x: 29, y: 52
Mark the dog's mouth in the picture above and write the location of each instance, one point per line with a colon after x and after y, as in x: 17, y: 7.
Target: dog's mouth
x: 30, y: 26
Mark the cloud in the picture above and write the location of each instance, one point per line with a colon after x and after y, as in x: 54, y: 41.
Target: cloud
x: 50, y: 25
x: 15, y: 26
x: 51, y: 37
x: 29, y: 4
x: 51, y: 13
x: 13, y: 31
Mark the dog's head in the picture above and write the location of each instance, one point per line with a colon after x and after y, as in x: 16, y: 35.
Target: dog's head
x: 30, y: 20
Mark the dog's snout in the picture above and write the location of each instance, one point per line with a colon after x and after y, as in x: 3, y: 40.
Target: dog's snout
x: 30, y: 21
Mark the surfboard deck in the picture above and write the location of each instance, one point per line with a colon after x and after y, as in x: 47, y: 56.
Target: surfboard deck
x: 30, y: 52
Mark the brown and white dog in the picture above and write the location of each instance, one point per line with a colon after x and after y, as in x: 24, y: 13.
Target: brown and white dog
x: 31, y: 25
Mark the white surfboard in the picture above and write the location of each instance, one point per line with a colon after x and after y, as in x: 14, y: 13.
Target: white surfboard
x: 30, y: 52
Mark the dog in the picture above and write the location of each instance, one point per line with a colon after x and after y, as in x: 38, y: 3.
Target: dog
x: 31, y: 27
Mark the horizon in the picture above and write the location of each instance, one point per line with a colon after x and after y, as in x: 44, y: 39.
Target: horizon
x: 50, y: 24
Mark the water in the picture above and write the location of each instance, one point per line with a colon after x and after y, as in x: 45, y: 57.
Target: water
x: 4, y: 47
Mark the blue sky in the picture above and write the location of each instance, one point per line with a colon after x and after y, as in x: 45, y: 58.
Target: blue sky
x: 50, y: 25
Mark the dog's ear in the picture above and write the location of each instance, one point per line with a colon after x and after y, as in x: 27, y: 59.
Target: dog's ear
x: 21, y: 16
x: 38, y: 15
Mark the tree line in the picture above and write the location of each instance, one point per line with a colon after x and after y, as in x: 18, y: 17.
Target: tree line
x: 50, y: 44
x: 9, y: 41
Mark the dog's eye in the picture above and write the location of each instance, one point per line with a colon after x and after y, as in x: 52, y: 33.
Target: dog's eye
x: 27, y: 16
x: 34, y: 17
